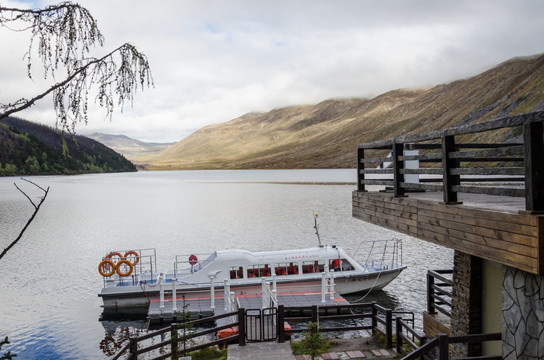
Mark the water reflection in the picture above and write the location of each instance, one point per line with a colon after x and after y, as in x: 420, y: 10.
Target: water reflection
x: 381, y: 297
x: 118, y: 334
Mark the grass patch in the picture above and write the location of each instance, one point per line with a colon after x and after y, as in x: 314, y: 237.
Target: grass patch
x: 300, y: 347
x: 209, y: 353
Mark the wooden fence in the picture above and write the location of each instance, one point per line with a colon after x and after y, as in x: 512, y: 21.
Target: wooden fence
x: 170, y: 343
x: 144, y: 345
x: 439, y: 292
x: 414, y: 346
x: 464, y: 166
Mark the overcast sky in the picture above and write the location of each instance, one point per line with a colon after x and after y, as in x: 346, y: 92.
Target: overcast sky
x: 213, y: 61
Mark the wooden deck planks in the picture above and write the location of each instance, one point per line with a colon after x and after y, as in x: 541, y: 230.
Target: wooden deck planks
x: 509, y: 238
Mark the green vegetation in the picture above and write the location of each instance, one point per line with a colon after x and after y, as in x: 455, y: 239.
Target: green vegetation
x: 312, y: 342
x: 7, y: 355
x: 209, y: 353
x: 32, y: 149
x: 187, y: 330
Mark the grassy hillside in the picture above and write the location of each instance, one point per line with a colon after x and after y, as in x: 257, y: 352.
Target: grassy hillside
x: 326, y: 135
x: 27, y: 148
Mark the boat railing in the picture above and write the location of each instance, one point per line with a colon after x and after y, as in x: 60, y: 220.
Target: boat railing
x: 141, y: 261
x: 269, y: 295
x: 388, y: 256
x: 184, y: 263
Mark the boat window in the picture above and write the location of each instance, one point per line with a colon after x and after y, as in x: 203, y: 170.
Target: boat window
x: 346, y: 265
x: 258, y: 270
x: 309, y: 267
x: 319, y: 266
x: 236, y: 272
x: 292, y: 269
x: 334, y: 265
x: 280, y: 269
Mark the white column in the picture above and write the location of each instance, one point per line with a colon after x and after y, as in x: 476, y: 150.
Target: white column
x: 174, y: 303
x: 161, y: 290
x: 331, y: 286
x: 212, y: 292
x: 264, y: 294
x: 226, y: 293
x: 231, y: 302
x: 323, y: 287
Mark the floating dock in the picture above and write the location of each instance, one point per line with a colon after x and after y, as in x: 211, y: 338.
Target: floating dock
x: 201, y: 306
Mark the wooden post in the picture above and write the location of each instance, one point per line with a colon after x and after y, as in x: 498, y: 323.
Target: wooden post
x: 314, y: 313
x: 389, y: 328
x: 443, y: 348
x: 534, y: 166
x: 398, y: 165
x: 430, y: 294
x: 374, y: 318
x: 133, y: 349
x: 241, y: 327
x: 174, y: 341
x: 281, y: 320
x: 398, y: 333
x: 448, y: 180
x: 360, y: 169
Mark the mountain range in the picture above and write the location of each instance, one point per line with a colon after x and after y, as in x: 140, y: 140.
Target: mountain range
x: 326, y: 135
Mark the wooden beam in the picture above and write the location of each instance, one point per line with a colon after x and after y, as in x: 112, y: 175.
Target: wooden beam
x: 449, y: 180
x: 398, y: 165
x: 533, y: 136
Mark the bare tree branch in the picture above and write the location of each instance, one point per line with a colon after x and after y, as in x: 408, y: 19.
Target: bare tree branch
x: 36, y: 209
x: 64, y: 34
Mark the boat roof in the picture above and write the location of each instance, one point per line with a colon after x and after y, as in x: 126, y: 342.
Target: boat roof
x: 291, y: 255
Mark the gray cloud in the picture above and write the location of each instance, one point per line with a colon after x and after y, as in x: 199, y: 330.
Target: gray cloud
x: 216, y: 60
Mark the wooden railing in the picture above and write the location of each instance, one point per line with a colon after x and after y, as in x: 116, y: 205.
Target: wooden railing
x: 519, y: 167
x: 168, y: 341
x: 439, y: 346
x: 170, y: 344
x: 439, y: 292
x: 380, y: 319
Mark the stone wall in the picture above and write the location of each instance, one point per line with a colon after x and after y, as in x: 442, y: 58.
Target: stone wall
x: 523, y: 315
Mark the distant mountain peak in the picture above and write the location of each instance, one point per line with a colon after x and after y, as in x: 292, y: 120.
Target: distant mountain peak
x: 129, y: 146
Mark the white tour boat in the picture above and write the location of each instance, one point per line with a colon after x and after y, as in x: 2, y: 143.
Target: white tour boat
x: 131, y: 279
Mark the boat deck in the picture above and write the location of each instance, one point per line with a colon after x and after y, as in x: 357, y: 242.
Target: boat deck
x: 201, y: 306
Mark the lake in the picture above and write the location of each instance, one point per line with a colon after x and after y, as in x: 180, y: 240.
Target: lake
x: 50, y: 279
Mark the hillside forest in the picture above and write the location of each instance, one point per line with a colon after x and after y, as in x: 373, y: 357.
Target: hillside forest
x: 27, y: 148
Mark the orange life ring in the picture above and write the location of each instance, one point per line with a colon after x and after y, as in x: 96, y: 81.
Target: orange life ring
x: 126, y: 273
x: 106, y: 268
x: 133, y: 253
x: 112, y: 254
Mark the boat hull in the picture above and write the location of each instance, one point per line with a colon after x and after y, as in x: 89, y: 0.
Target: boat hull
x: 136, y: 299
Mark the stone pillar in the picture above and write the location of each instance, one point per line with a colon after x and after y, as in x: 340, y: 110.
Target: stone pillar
x: 466, y: 312
x: 522, y: 315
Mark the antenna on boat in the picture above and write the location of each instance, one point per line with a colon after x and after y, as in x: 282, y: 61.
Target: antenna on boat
x: 316, y: 227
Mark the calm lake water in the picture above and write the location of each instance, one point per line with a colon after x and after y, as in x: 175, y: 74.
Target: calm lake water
x: 50, y: 307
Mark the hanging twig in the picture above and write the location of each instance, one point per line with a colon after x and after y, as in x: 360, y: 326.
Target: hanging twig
x: 36, y: 208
